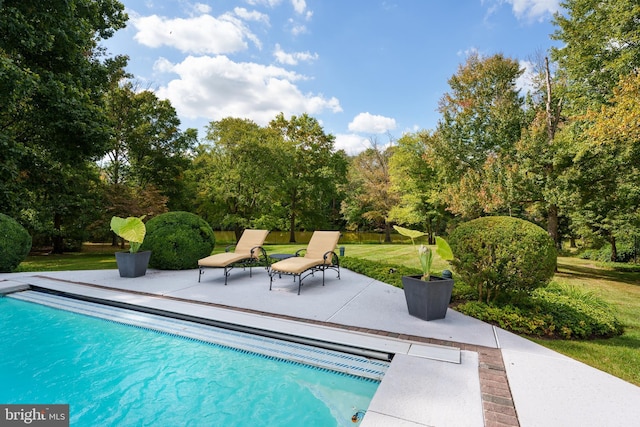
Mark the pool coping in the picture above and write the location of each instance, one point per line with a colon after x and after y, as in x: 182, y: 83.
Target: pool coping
x: 488, y: 399
x: 546, y: 387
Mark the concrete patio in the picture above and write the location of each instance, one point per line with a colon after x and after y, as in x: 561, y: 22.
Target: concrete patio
x: 457, y: 371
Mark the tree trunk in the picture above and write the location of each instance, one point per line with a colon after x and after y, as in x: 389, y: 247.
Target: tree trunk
x: 614, y: 249
x: 387, y: 232
x: 238, y: 232
x: 292, y: 218
x: 58, y: 243
x: 552, y: 224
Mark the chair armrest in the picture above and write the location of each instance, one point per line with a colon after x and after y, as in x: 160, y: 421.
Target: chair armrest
x: 229, y: 247
x: 333, y: 256
x: 299, y: 251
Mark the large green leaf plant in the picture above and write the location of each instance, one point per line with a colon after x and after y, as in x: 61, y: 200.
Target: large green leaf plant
x: 425, y: 255
x: 131, y: 229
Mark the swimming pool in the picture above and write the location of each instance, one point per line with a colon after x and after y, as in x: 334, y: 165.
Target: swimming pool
x: 116, y: 374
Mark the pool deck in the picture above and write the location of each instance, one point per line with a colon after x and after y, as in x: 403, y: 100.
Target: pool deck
x: 457, y: 371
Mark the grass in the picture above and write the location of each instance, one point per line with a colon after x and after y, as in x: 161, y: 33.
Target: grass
x: 619, y: 356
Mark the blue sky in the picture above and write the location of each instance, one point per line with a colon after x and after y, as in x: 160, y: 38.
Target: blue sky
x: 366, y: 69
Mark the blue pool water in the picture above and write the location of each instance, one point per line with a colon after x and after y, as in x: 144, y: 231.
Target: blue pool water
x: 119, y: 375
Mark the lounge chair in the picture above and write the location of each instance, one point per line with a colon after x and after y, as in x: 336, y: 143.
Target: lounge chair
x: 319, y: 256
x: 247, y: 253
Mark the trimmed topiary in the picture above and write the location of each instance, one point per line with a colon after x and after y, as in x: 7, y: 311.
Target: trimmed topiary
x: 177, y: 240
x: 15, y: 243
x: 502, y: 255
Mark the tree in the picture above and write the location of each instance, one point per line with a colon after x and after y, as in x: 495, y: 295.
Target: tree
x: 536, y: 170
x: 239, y: 175
x: 414, y: 183
x: 370, y: 184
x: 481, y: 118
x: 53, y: 76
x: 147, y: 147
x: 312, y: 173
x: 600, y: 44
x: 607, y: 166
x: 599, y: 57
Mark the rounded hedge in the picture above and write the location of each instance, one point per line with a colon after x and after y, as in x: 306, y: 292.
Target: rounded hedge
x: 499, y: 253
x: 15, y: 244
x: 177, y: 240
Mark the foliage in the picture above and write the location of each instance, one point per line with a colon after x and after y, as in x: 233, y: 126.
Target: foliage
x: 386, y: 273
x: 131, y: 229
x: 481, y: 118
x: 369, y: 196
x: 502, y: 254
x: 413, y: 183
x: 146, y: 147
x: 599, y: 43
x: 238, y: 176
x: 15, y: 243
x: 312, y: 171
x: 625, y: 252
x: 177, y: 240
x: 606, y: 169
x: 552, y: 312
x: 425, y: 255
x: 53, y: 75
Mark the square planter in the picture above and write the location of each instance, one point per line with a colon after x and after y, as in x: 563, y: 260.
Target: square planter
x: 427, y: 300
x: 133, y: 265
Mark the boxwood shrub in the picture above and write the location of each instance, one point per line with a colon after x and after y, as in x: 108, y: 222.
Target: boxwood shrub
x: 502, y: 255
x: 177, y: 240
x: 552, y: 312
x: 15, y: 243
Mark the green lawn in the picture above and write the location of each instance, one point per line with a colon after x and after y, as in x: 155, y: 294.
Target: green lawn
x: 620, y: 356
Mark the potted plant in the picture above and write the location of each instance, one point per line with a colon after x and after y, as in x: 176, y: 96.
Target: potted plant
x: 427, y: 296
x: 132, y: 263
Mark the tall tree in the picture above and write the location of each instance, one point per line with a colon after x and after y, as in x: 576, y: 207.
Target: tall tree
x: 53, y: 74
x: 600, y: 51
x: 607, y: 166
x: 239, y: 175
x: 370, y: 187
x: 536, y: 169
x: 481, y: 118
x: 414, y: 183
x: 147, y: 147
x: 313, y: 171
x: 600, y: 44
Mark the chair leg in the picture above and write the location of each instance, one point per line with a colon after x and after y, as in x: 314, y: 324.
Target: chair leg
x: 200, y: 273
x: 226, y: 274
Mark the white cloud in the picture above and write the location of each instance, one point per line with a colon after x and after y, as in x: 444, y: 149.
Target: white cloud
x: 201, y: 8
x: 299, y: 6
x: 253, y: 15
x: 526, y: 80
x: 294, y: 57
x: 534, y: 9
x: 369, y: 123
x: 217, y: 87
x: 528, y: 9
x: 351, y: 143
x: 297, y: 29
x: 202, y: 34
x: 270, y: 3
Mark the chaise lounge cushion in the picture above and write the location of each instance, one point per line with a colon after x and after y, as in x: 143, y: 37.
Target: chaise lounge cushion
x: 250, y: 239
x: 321, y: 242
